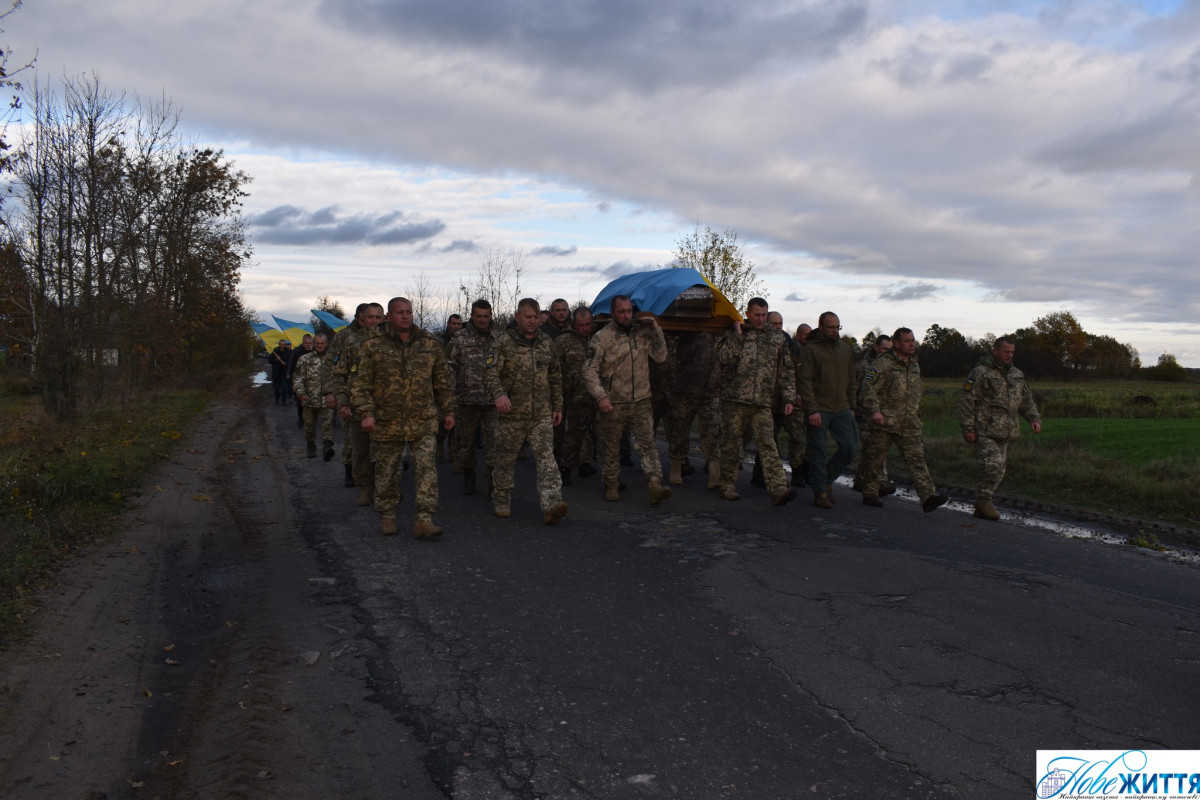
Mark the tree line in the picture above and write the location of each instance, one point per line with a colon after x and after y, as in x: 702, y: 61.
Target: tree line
x: 123, y: 247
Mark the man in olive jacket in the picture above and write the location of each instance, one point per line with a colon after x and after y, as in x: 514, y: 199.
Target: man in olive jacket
x: 401, y: 393
x: 827, y: 394
x: 994, y: 395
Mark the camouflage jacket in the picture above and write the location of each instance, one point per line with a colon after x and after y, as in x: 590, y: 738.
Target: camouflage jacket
x: 346, y: 350
x: 311, y: 378
x: 756, y: 367
x: 696, y: 371
x: 992, y: 398
x: 894, y: 389
x: 527, y: 371
x: 468, y: 349
x: 826, y: 375
x: 402, y: 384
x: 571, y: 351
x: 618, y: 361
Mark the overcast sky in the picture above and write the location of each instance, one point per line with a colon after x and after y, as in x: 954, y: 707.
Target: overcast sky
x: 971, y: 164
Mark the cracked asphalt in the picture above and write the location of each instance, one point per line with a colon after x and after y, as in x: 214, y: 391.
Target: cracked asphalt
x: 698, y: 649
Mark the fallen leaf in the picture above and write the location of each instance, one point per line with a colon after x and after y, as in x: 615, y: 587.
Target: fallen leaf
x: 168, y: 648
x: 172, y: 662
x: 148, y: 693
x: 286, y: 708
x: 175, y: 763
x: 200, y: 498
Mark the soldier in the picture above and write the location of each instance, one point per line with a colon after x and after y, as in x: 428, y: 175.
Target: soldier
x: 756, y: 370
x: 881, y: 345
x: 992, y: 398
x: 445, y: 442
x: 523, y: 376
x: 356, y: 444
x: 891, y: 397
x: 827, y: 393
x: 476, y: 408
x: 280, y: 357
x: 695, y: 387
x: 617, y: 373
x: 555, y: 324
x: 579, y: 409
x: 401, y: 384
x: 792, y: 423
x: 306, y: 346
x: 796, y: 424
x: 310, y: 381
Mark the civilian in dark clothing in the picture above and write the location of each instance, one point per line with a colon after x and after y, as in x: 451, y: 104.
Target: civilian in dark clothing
x: 280, y: 359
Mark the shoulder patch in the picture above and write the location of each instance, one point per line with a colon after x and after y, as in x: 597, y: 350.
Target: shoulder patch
x: 969, y: 385
x: 489, y: 359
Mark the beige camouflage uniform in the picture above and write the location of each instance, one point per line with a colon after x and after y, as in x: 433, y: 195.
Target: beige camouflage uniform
x: 527, y: 372
x: 756, y: 372
x: 572, y: 439
x: 992, y: 398
x: 311, y: 380
x: 894, y: 389
x: 694, y: 392
x: 476, y: 409
x: 356, y: 444
x: 618, y: 367
x: 405, y: 386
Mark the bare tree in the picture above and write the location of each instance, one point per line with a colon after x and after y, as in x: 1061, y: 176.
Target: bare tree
x: 499, y: 282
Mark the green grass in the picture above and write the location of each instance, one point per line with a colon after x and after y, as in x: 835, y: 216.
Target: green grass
x: 62, y: 485
x: 1131, y: 449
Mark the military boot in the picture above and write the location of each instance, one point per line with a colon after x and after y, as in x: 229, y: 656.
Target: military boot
x: 783, y: 496
x: 387, y: 523
x: 328, y: 452
x: 348, y: 482
x: 676, y: 472
x: 872, y: 500
x: 821, y: 500
x: 714, y: 473
x: 468, y: 481
x: 554, y: 513
x: 658, y: 492
x: 985, y: 510
x: 311, y: 448
x: 425, y: 529
x: 756, y: 477
x: 612, y: 492
x: 686, y: 468
x: 366, y: 496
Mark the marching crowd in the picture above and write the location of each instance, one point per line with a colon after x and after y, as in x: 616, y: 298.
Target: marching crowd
x: 580, y: 398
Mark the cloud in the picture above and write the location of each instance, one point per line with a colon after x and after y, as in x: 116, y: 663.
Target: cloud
x: 912, y: 291
x: 291, y: 225
x: 461, y: 246
x: 552, y: 250
x: 795, y: 298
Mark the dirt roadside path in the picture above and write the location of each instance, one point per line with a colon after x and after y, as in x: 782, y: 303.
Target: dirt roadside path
x: 177, y: 661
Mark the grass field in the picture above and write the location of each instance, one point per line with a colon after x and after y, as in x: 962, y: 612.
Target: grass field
x: 1131, y: 449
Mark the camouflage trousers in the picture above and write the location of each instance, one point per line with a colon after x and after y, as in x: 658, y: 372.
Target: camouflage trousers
x: 679, y: 426
x: 793, y: 426
x: 356, y: 451
x: 874, y: 460
x: 860, y: 473
x: 318, y: 417
x: 511, y: 435
x: 735, y: 417
x: 639, y: 417
x: 389, y: 469
x: 992, y: 455
x: 573, y: 443
x: 470, y: 420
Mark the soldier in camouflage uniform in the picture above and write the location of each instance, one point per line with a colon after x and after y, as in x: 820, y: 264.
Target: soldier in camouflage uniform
x: 891, y: 397
x: 573, y: 436
x: 523, y: 376
x: 476, y: 408
x: 756, y: 370
x: 310, y: 382
x: 994, y: 395
x: 881, y: 345
x: 445, y: 440
x: 694, y: 391
x: 402, y: 383
x: 356, y: 444
x: 617, y: 373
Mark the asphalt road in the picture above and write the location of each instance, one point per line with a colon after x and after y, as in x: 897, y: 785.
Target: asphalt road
x: 698, y: 649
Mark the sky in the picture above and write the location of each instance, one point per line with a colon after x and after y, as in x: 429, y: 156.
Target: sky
x: 974, y: 165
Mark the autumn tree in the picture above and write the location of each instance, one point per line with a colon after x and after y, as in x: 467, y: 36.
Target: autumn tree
x: 131, y: 241
x: 1168, y: 368
x: 720, y: 259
